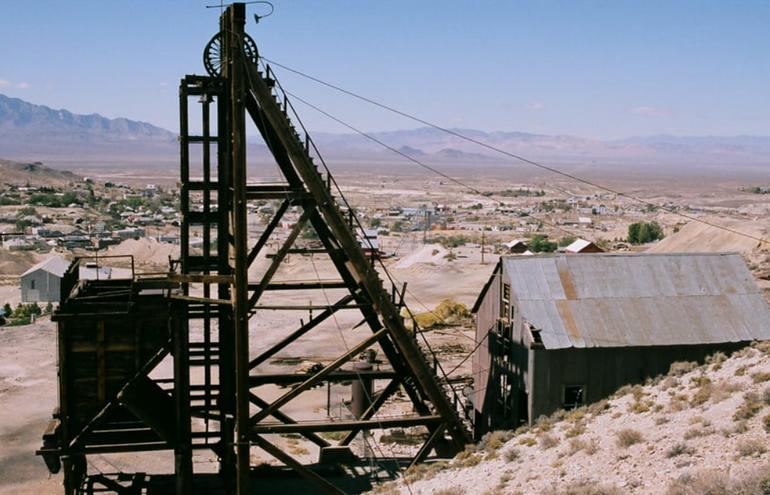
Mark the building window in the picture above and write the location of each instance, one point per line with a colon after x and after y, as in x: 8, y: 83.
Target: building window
x: 32, y: 284
x: 506, y: 292
x: 573, y: 397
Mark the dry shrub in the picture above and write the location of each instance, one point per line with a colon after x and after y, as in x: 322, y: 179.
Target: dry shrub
x: 669, y: 382
x: 628, y: 437
x: 760, y: 377
x: 702, y: 483
x: 702, y: 395
x: 584, y: 488
x: 590, y: 446
x: 640, y: 406
x: 698, y: 432
x: 724, y: 389
x: 455, y: 490
x: 762, y: 346
x: 447, y: 312
x: 678, y: 402
x: 741, y: 371
x: 716, y: 360
x: 528, y: 441
x: 751, y: 446
x: 741, y: 427
x: 575, y: 430
x: 699, y: 381
x: 747, y: 351
x: 660, y: 420
x: 471, y: 460
x: 511, y: 455
x: 699, y: 419
x: 636, y: 390
x: 680, y: 368
x: 548, y: 441
x: 493, y: 440
x: 749, y: 408
x: 679, y: 449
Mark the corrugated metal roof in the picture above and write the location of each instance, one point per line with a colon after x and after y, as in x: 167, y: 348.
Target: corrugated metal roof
x: 54, y: 265
x: 611, y: 300
x: 577, y: 245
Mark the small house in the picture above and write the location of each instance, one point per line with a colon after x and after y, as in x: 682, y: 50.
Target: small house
x: 516, y: 246
x: 582, y: 246
x: 370, y: 243
x: 558, y: 332
x: 41, y: 283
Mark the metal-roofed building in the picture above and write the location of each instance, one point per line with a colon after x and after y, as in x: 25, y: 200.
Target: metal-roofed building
x: 563, y: 330
x: 579, y: 246
x: 42, y: 282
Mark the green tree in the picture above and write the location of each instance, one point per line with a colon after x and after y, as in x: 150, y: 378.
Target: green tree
x: 644, y: 232
x: 541, y: 244
x: 7, y: 309
x: 567, y: 240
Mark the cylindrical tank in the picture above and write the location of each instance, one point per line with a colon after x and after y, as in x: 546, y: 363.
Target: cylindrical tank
x: 361, y: 392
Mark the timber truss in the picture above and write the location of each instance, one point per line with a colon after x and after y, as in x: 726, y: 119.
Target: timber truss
x: 237, y: 87
x: 221, y: 397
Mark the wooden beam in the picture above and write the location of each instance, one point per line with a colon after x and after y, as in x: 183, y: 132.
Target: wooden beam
x: 370, y: 411
x: 294, y: 392
x: 347, y: 425
x: 202, y: 300
x: 300, y: 332
x: 256, y: 400
x: 200, y: 279
x: 434, y: 436
x: 337, y: 376
x: 296, y: 465
x: 305, y: 285
x: 276, y: 263
x: 268, y: 232
x: 301, y: 307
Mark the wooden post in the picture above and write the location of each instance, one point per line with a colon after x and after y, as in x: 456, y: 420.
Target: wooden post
x: 234, y: 73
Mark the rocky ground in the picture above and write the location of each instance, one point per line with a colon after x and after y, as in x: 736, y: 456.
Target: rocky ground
x: 698, y: 430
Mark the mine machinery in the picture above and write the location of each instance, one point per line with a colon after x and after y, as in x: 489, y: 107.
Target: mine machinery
x: 114, y: 336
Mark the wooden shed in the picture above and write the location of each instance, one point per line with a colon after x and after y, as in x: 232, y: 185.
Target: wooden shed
x: 560, y: 331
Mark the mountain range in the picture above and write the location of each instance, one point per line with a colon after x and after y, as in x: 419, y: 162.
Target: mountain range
x: 37, y: 132
x: 29, y: 131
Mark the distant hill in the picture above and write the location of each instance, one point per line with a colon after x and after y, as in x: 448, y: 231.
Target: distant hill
x: 34, y: 173
x: 37, y: 132
x: 29, y: 131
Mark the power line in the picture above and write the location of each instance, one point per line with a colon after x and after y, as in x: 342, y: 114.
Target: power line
x: 509, y: 154
x: 412, y: 159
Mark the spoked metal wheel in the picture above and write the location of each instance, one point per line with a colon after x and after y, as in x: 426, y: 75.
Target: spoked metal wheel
x: 212, y: 54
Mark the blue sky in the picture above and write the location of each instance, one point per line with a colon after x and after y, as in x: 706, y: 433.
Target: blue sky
x: 601, y: 69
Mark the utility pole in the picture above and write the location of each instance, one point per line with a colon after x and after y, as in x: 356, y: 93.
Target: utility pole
x: 483, y: 238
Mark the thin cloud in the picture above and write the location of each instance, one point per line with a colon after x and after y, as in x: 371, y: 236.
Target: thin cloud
x: 4, y: 83
x: 649, y: 111
x: 536, y: 106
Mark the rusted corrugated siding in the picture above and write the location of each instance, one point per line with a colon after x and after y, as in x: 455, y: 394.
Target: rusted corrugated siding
x: 488, y: 311
x: 614, y: 300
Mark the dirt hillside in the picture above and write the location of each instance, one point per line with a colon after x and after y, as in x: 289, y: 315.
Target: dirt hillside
x: 701, y: 429
x: 699, y: 237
